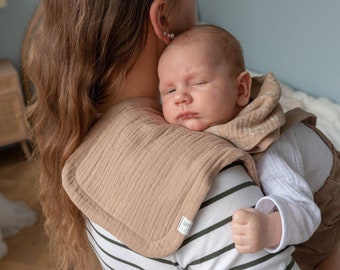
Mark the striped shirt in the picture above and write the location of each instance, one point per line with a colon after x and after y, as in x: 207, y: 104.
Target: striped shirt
x: 209, y: 245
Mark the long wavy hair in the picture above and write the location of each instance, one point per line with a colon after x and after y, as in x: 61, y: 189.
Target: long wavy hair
x: 75, y: 56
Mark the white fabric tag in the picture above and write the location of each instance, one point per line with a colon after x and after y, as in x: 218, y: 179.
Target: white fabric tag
x: 184, y: 226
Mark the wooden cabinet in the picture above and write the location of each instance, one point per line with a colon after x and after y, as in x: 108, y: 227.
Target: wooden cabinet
x: 13, y: 128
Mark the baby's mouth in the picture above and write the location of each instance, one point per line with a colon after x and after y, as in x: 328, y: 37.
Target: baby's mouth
x: 187, y: 115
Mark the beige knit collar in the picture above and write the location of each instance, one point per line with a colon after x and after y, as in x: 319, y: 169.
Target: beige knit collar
x: 258, y: 124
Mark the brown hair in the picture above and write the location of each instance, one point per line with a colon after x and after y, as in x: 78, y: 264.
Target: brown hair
x: 230, y: 47
x: 75, y: 57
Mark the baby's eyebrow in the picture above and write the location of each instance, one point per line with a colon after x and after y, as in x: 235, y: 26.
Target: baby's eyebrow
x: 194, y: 72
x: 164, y: 83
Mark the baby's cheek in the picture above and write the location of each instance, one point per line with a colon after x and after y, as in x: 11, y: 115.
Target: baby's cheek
x: 169, y: 113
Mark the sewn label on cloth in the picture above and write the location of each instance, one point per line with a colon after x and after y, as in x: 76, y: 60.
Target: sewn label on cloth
x: 184, y: 226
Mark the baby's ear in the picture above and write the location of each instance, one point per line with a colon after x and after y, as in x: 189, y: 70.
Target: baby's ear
x: 243, y: 85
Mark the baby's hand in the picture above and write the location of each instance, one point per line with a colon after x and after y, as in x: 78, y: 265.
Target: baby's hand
x: 253, y: 230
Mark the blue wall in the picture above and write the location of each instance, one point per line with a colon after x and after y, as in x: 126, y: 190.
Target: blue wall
x: 299, y: 40
x: 13, y: 22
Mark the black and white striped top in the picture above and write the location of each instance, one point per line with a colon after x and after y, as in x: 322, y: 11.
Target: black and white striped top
x: 209, y: 245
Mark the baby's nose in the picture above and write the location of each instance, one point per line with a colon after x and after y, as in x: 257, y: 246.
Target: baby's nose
x: 183, y: 97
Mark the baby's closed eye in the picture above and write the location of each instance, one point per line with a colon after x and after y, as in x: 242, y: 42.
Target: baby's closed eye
x: 198, y: 83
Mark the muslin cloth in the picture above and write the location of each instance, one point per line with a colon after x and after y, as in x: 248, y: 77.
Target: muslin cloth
x: 140, y: 178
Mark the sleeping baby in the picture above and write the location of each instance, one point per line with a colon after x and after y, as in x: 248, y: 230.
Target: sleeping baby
x: 204, y: 86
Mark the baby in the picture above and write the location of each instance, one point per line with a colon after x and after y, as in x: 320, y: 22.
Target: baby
x: 204, y: 86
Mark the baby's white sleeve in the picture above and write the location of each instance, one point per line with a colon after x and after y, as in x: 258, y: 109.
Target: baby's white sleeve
x: 281, y: 172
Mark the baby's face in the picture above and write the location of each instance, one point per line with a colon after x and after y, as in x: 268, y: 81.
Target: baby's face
x: 195, y: 87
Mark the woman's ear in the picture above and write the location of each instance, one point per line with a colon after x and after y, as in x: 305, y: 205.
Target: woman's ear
x: 159, y: 20
x: 244, y: 88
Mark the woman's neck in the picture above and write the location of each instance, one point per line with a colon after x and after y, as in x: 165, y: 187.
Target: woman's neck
x: 142, y: 79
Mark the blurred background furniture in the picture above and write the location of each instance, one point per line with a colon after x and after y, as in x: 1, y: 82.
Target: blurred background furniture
x: 13, y: 128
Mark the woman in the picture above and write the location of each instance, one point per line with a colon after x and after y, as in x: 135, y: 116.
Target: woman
x: 87, y: 60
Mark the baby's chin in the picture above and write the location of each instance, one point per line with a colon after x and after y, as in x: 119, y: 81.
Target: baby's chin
x: 196, y: 126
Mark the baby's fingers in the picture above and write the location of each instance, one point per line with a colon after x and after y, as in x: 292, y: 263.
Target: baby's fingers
x: 242, y: 216
x: 245, y: 243
x: 239, y: 222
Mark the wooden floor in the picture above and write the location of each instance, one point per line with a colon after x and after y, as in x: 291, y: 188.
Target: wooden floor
x: 18, y: 181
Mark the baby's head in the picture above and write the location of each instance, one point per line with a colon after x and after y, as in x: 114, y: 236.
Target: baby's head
x: 203, y: 81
